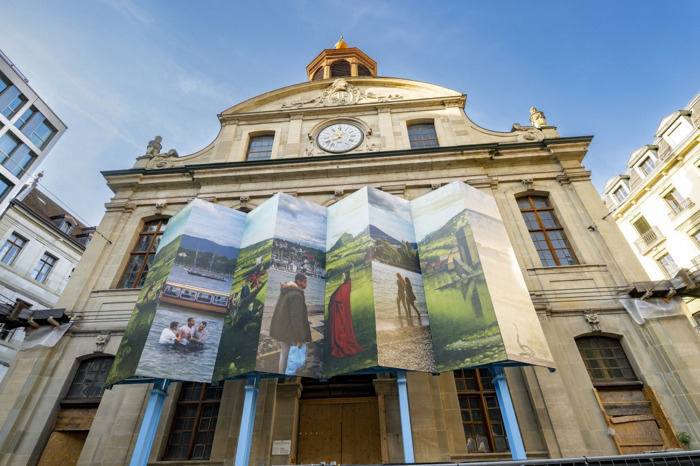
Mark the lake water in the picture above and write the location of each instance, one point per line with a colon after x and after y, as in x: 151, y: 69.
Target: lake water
x: 385, y: 292
x: 179, y: 274
x: 165, y: 361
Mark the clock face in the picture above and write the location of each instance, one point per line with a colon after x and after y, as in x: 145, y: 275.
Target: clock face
x: 339, y: 137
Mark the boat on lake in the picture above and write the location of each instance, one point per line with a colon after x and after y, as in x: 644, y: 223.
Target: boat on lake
x: 194, y: 297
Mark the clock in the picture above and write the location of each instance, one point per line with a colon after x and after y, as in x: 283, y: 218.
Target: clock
x: 339, y: 137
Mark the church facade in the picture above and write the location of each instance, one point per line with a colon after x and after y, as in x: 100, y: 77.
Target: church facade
x: 619, y: 386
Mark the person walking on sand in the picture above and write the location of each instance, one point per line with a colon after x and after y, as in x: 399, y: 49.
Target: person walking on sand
x: 410, y: 297
x: 400, y: 295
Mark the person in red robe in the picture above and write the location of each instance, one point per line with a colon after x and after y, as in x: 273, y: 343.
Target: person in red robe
x: 340, y: 329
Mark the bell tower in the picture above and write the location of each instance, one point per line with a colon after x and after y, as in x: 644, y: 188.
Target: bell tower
x: 340, y: 61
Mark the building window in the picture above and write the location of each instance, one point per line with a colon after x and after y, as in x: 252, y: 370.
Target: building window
x: 318, y: 75
x: 668, y: 265
x: 20, y: 161
x: 142, y: 255
x: 340, y: 68
x: 66, y: 227
x: 481, y: 416
x: 13, y: 107
x: 8, y: 144
x: 42, y: 269
x: 363, y: 71
x: 5, y: 186
x: 26, y: 116
x: 647, y: 165
x: 10, y: 250
x: 620, y: 193
x: 192, y: 431
x: 260, y: 147
x: 675, y: 201
x: 43, y: 134
x: 89, y: 382
x: 4, y: 83
x: 605, y: 359
x: 546, y: 232
x: 422, y: 135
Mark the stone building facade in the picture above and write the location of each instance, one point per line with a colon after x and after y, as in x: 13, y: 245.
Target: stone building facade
x: 654, y: 201
x: 415, y: 137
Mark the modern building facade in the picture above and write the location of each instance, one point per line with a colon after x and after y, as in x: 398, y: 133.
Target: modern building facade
x: 619, y: 387
x: 41, y: 246
x: 654, y: 201
x: 28, y: 130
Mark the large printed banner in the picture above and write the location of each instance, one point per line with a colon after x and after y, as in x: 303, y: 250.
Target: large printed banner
x: 297, y: 289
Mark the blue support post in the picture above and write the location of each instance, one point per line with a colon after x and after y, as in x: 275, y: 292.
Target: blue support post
x: 245, y: 435
x: 517, y: 448
x: 150, y: 422
x: 406, y: 432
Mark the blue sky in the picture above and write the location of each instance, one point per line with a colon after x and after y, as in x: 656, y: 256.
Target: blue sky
x: 118, y: 72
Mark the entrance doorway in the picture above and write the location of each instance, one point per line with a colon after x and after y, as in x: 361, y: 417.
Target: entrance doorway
x: 339, y: 421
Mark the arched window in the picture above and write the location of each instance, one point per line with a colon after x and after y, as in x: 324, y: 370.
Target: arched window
x: 422, y: 135
x: 481, y: 415
x: 363, y: 71
x: 546, y: 232
x: 192, y: 430
x: 142, y: 256
x: 89, y: 382
x: 605, y: 359
x: 318, y: 75
x: 260, y: 147
x: 340, y: 68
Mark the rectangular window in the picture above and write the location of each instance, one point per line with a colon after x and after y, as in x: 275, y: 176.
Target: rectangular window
x: 8, y: 144
x: 260, y: 147
x: 43, y: 134
x: 43, y: 268
x: 675, y: 201
x: 192, y: 430
x: 641, y: 225
x: 13, y: 106
x: 142, y: 255
x: 11, y: 249
x: 481, y: 415
x: 667, y: 264
x: 546, y: 232
x: 26, y: 116
x: 620, y: 193
x: 4, y: 83
x: 22, y: 158
x: 647, y: 166
x: 422, y: 135
x: 5, y: 186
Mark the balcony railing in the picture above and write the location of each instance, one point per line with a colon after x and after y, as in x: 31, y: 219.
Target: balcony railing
x: 686, y: 204
x: 649, y: 239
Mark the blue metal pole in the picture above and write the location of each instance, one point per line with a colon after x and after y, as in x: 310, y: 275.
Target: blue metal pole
x: 144, y: 442
x: 406, y: 432
x: 517, y: 448
x: 245, y: 435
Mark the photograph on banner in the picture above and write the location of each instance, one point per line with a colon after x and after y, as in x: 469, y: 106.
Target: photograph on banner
x: 350, y: 342
x: 519, y: 325
x: 464, y: 327
x: 137, y: 330
x: 401, y: 314
x: 184, y: 337
x: 241, y: 329
x: 291, y: 332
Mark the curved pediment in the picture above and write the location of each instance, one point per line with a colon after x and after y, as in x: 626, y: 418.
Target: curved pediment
x: 342, y: 92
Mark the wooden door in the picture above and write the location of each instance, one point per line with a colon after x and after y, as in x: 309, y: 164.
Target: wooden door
x: 68, y: 437
x: 637, y: 421
x: 344, y: 430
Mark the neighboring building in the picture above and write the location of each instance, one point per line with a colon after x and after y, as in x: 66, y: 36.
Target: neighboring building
x: 654, y: 201
x: 619, y: 387
x: 40, y: 247
x: 28, y: 130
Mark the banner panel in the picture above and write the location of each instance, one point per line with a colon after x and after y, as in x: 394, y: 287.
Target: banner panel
x: 519, y: 325
x: 401, y: 314
x: 350, y: 332
x: 175, y: 329
x: 463, y: 321
x: 291, y: 334
x: 239, y: 341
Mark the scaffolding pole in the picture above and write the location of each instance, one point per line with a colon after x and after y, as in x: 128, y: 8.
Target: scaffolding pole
x: 150, y: 422
x: 517, y: 448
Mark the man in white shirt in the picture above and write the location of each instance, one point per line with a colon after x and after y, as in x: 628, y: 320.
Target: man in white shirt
x: 169, y: 335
